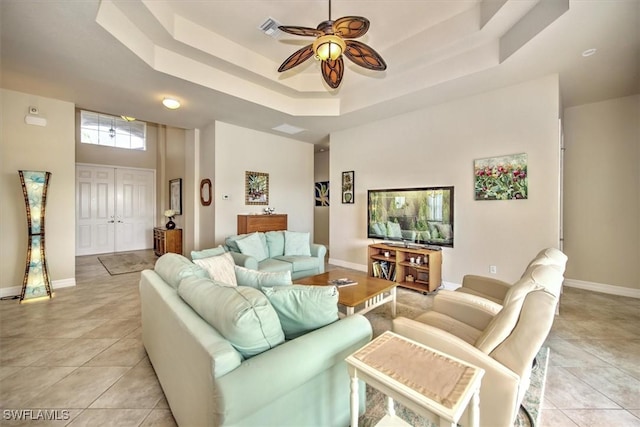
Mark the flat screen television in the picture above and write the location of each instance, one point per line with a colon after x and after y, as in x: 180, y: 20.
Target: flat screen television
x: 417, y: 215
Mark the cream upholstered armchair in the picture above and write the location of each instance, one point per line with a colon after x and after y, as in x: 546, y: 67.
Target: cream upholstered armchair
x: 504, y: 347
x: 496, y: 290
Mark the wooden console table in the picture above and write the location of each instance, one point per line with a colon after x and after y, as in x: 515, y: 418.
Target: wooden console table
x: 424, y: 380
x: 253, y: 223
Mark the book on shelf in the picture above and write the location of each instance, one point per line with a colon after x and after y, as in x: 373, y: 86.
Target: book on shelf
x: 342, y: 282
x: 384, y: 270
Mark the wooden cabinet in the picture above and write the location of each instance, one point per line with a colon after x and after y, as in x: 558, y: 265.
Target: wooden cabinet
x: 424, y: 274
x: 253, y: 223
x: 167, y: 241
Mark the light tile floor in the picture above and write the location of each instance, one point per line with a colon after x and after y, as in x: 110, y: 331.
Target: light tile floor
x: 80, y: 357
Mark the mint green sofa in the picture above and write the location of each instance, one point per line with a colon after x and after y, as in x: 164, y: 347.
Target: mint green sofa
x: 272, y: 252
x: 301, y: 382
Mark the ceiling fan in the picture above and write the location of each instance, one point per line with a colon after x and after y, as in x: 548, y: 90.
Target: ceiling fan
x: 333, y: 38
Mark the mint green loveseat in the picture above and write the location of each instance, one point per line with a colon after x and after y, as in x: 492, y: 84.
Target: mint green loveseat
x: 207, y: 382
x: 275, y: 251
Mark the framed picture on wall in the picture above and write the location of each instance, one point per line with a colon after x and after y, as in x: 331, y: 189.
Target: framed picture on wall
x: 348, y: 187
x: 256, y: 188
x: 175, y: 195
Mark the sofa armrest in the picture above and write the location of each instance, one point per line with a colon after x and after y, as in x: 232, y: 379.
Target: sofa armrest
x: 318, y: 250
x: 485, y: 285
x: 245, y: 261
x: 269, y: 375
x: 500, y: 385
x: 469, y: 309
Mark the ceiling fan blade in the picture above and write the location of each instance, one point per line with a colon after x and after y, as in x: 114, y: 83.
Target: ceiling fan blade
x: 350, y: 27
x: 364, y: 56
x: 298, y: 57
x: 301, y: 31
x: 332, y: 72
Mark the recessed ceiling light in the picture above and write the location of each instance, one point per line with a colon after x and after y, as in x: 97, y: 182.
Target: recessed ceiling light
x: 289, y: 129
x: 171, y: 103
x: 589, y: 52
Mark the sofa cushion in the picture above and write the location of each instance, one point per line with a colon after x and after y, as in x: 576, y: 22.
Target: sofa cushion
x: 175, y: 267
x: 300, y: 263
x: 254, y: 245
x: 393, y: 230
x: 275, y: 243
x: 258, y: 279
x: 296, y: 243
x: 274, y: 264
x: 379, y: 229
x: 302, y: 308
x: 242, y: 314
x: 221, y: 268
x: 444, y: 230
x: 206, y: 253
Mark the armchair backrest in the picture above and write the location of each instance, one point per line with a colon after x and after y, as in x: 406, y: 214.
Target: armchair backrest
x: 519, y: 349
x: 550, y: 256
x: 540, y: 277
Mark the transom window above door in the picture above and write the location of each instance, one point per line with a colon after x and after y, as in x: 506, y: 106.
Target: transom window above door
x: 112, y: 131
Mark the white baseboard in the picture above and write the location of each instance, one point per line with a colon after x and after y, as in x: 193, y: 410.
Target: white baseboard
x: 345, y: 264
x: 604, y: 288
x: 572, y: 283
x: 55, y: 284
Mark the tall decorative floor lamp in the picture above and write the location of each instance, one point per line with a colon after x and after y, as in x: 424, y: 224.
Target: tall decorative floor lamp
x: 36, y: 282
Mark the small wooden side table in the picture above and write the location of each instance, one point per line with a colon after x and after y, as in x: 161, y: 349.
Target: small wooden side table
x: 167, y: 241
x: 422, y: 379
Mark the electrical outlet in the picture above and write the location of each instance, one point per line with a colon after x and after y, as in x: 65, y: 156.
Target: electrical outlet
x: 493, y: 269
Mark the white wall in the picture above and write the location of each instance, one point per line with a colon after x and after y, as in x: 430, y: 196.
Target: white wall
x: 29, y: 147
x: 602, y: 193
x: 437, y: 146
x: 289, y: 164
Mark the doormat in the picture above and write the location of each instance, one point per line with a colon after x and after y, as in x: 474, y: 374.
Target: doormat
x: 123, y: 263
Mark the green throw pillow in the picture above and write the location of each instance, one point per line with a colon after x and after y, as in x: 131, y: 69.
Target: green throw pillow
x: 175, y: 267
x: 296, y: 243
x: 302, y: 308
x: 206, y: 253
x: 243, y: 315
x: 275, y: 243
x: 394, y: 230
x: 258, y: 279
x: 253, y: 246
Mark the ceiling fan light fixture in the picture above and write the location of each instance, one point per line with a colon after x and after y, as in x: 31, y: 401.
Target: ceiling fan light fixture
x: 328, y: 47
x: 128, y: 118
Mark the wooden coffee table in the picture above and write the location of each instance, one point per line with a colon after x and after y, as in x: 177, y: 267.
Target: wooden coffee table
x: 370, y: 291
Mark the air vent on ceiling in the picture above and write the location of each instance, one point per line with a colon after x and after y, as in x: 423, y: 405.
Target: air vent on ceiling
x: 270, y: 27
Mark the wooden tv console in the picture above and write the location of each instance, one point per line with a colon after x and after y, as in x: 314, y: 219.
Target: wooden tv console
x: 425, y: 276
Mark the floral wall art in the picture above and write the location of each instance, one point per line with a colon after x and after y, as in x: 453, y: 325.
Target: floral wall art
x: 322, y: 193
x: 501, y: 178
x: 256, y: 188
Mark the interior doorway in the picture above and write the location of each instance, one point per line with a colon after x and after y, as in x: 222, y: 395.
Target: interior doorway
x: 115, y: 209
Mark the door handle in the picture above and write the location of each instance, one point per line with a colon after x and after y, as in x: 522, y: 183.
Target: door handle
x: 112, y: 221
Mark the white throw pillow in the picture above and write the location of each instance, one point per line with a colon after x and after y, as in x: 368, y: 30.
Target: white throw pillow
x: 221, y: 268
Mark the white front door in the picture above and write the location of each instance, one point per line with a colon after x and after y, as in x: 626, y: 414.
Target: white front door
x: 114, y: 209
x: 134, y: 209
